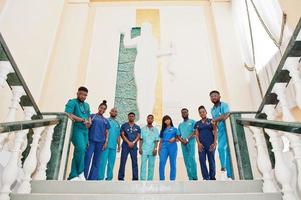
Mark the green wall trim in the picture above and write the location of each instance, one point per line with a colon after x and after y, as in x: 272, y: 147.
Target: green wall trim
x: 126, y: 90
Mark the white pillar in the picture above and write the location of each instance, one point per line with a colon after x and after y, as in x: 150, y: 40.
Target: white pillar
x: 263, y: 161
x: 30, y: 163
x: 5, y: 69
x: 10, y: 171
x: 44, y: 155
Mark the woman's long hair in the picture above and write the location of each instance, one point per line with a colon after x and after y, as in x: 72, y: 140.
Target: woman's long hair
x: 164, y: 125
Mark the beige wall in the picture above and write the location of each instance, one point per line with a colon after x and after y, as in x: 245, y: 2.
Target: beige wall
x: 293, y: 10
x: 63, y: 70
x: 29, y: 28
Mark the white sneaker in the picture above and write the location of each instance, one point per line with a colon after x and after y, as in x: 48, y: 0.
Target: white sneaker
x: 223, y: 176
x: 82, y: 177
x: 229, y: 179
x: 74, y: 179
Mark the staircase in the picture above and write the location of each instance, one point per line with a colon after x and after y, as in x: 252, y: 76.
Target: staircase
x: 91, y: 190
x: 48, y: 136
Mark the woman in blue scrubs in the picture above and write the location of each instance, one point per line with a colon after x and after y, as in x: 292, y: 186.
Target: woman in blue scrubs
x: 98, y: 141
x: 206, y: 137
x: 168, y: 148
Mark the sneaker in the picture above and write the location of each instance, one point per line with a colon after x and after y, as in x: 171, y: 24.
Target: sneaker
x: 82, y: 177
x: 74, y: 179
x: 223, y: 176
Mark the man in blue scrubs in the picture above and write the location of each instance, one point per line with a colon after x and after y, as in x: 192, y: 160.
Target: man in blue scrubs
x: 79, y: 111
x: 130, y: 133
x: 187, y: 139
x: 220, y: 112
x: 108, y: 156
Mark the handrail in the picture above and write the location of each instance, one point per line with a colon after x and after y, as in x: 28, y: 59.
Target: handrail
x: 293, y: 127
x: 292, y: 50
x: 27, y: 100
x: 28, y: 124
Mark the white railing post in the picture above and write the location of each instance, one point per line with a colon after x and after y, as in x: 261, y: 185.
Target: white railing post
x: 28, y: 113
x: 30, y: 163
x: 5, y: 69
x: 283, y: 172
x: 292, y: 64
x: 279, y: 89
x: 18, y: 92
x: 44, y: 154
x: 263, y: 161
x: 295, y: 141
x: 10, y: 171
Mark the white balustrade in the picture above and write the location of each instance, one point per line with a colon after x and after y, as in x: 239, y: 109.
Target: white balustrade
x: 263, y: 161
x: 283, y: 173
x: 44, y: 155
x: 30, y: 163
x: 292, y: 64
x: 5, y: 69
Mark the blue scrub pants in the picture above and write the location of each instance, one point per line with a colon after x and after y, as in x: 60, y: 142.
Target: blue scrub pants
x: 124, y: 155
x: 95, y: 150
x: 224, y: 152
x: 168, y: 150
x: 107, y: 161
x: 211, y: 160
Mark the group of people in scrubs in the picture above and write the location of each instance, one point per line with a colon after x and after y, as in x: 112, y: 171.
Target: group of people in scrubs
x: 97, y: 139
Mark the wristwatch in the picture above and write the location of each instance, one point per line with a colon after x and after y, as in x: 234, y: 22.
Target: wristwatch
x: 187, y: 140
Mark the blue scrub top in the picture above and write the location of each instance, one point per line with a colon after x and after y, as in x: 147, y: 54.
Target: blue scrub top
x: 219, y: 110
x: 97, y: 131
x: 186, y: 128
x: 130, y: 132
x: 79, y: 109
x: 167, y: 134
x: 206, y: 135
x: 114, y: 133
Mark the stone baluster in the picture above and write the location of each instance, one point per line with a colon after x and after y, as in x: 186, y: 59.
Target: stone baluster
x: 283, y: 173
x: 292, y: 64
x: 30, y: 163
x: 295, y: 144
x: 279, y: 89
x: 18, y: 92
x: 263, y: 161
x: 44, y: 154
x: 28, y: 113
x: 10, y: 171
x: 5, y: 69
